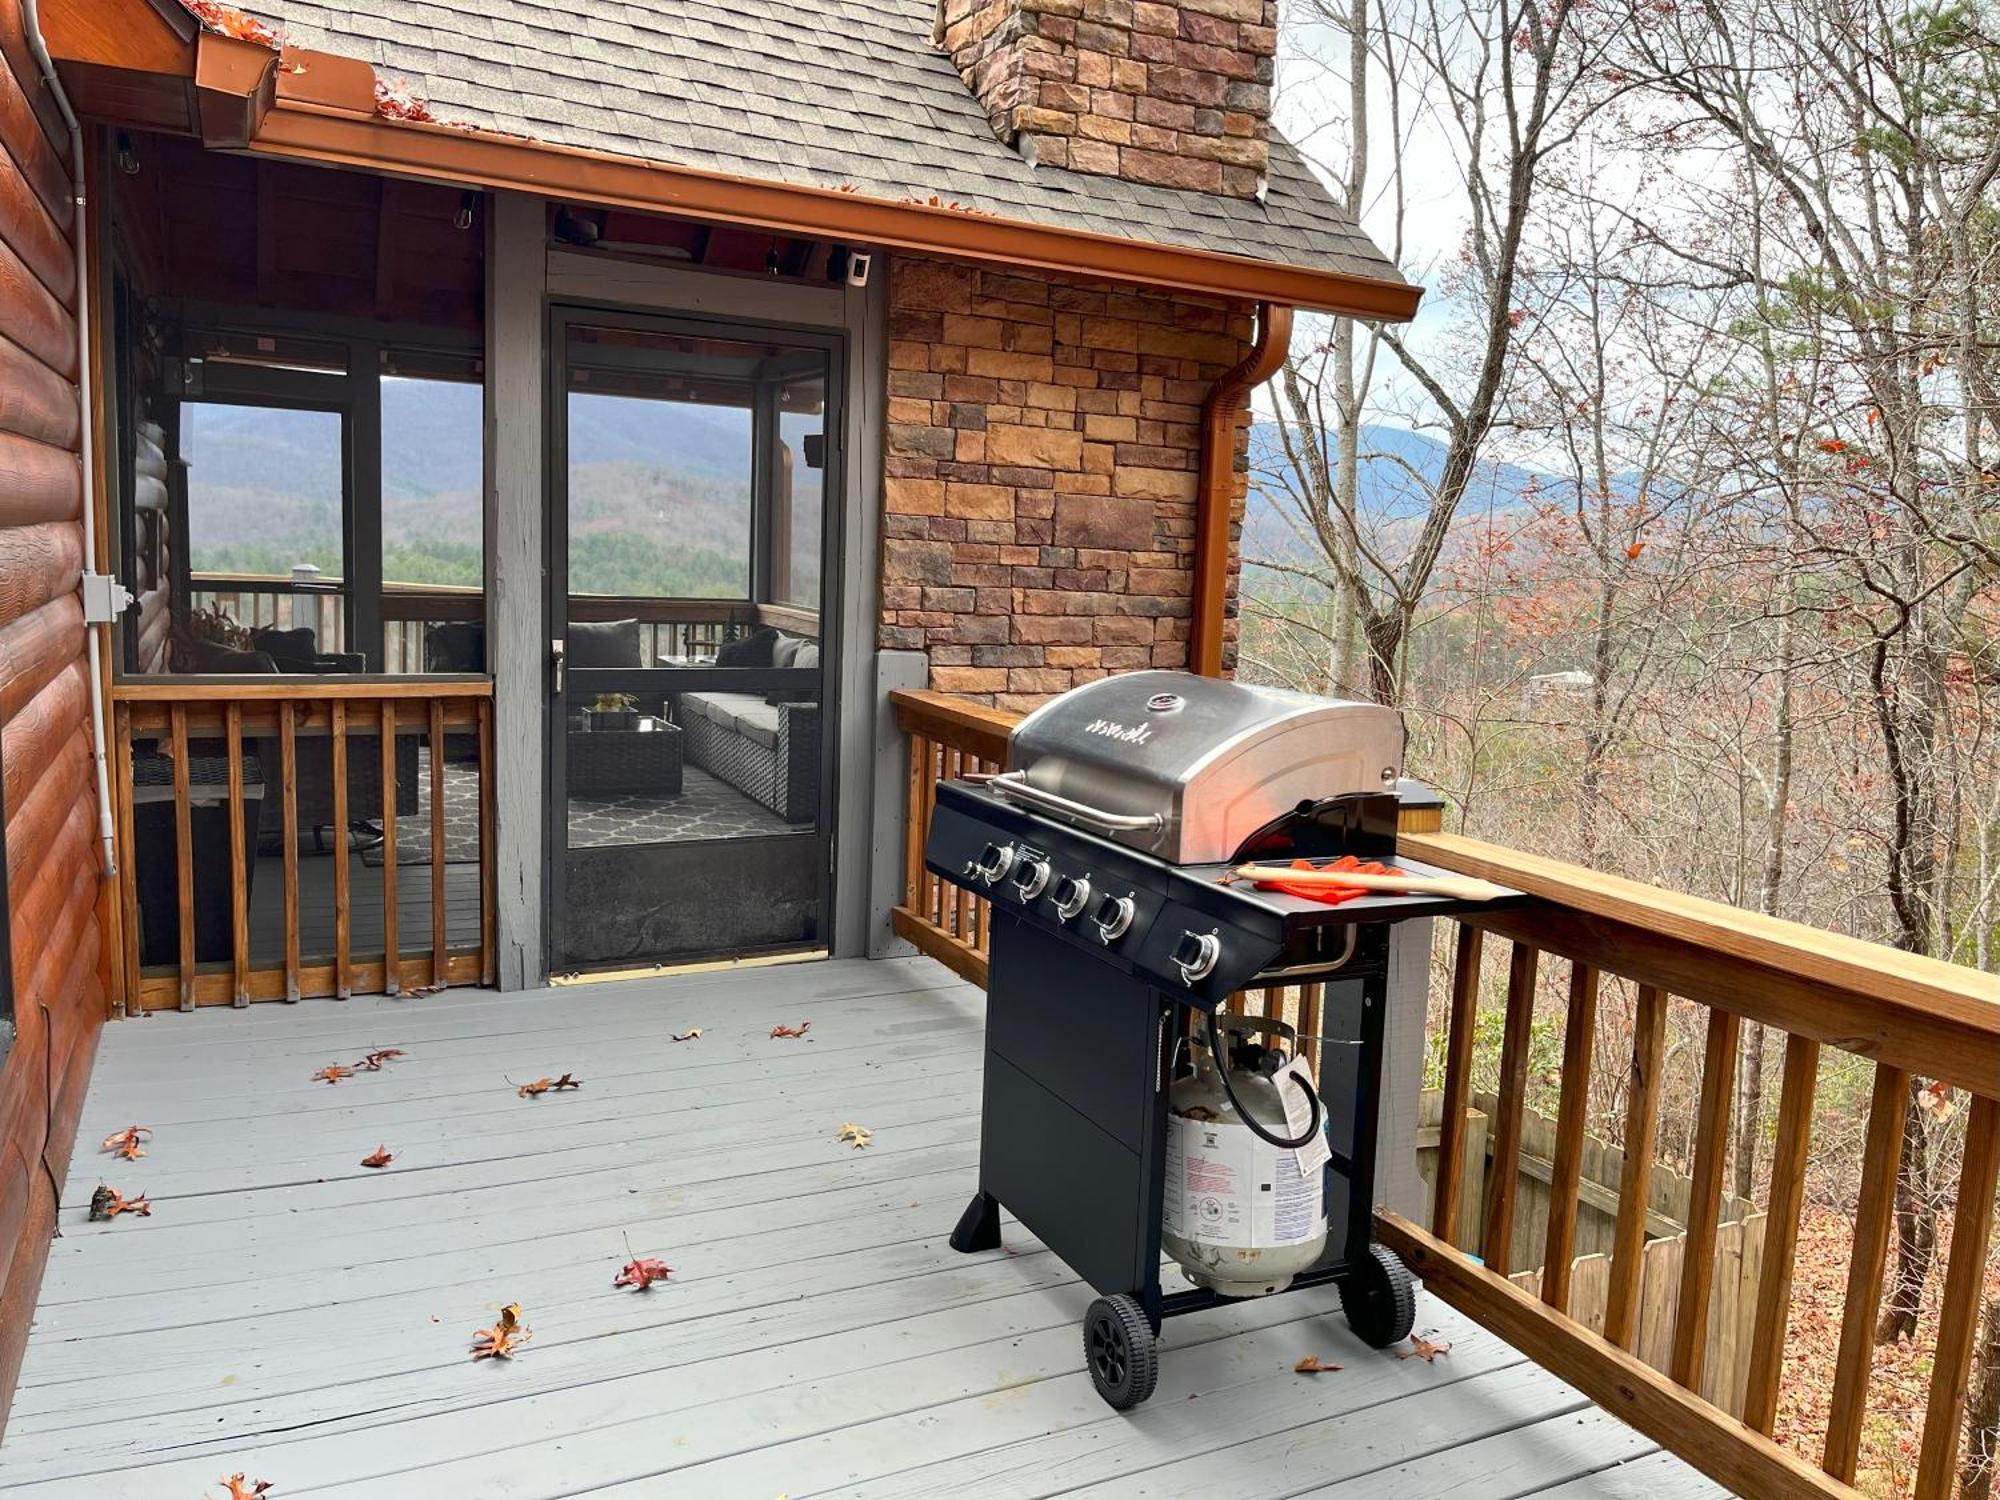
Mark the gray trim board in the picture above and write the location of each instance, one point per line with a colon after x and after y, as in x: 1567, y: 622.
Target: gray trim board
x: 893, y: 669
x: 515, y: 651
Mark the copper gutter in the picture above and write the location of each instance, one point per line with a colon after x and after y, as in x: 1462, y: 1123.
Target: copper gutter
x: 1215, y: 484
x: 312, y: 131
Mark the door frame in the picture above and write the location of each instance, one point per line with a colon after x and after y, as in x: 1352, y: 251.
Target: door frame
x: 560, y: 313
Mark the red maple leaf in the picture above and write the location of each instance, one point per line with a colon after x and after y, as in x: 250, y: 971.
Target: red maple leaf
x: 799, y: 1030
x: 641, y: 1272
x: 381, y: 1157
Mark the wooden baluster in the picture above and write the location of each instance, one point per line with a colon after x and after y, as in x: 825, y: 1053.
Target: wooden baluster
x: 1958, y: 1320
x: 439, y: 941
x: 239, y: 875
x: 183, y: 852
x: 128, y: 874
x: 1457, y: 1082
x: 1642, y: 1122
x: 392, y: 966
x: 288, y: 775
x: 933, y: 906
x: 343, y: 983
x: 1873, y: 1216
x: 1498, y: 1242
x: 489, y: 904
x: 1711, y: 1151
x: 1572, y: 1118
x: 913, y: 826
x: 1781, y: 1233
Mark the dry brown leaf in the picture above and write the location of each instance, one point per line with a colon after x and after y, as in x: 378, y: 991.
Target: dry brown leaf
x: 799, y: 1030
x: 1935, y: 1097
x: 242, y: 1489
x: 545, y: 1085
x: 854, y: 1135
x: 504, y: 1338
x: 1423, y: 1349
x: 108, y: 1203
x: 126, y: 1142
x: 332, y: 1073
x: 1311, y: 1365
x: 686, y: 1036
x: 381, y: 1158
x: 374, y: 1060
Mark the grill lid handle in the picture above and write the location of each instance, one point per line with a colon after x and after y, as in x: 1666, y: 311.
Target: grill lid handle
x: 1015, y: 786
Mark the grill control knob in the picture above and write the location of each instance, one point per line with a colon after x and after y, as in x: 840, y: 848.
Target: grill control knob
x: 1195, y: 955
x: 1071, y: 894
x: 1030, y: 875
x: 993, y: 865
x: 1114, y: 915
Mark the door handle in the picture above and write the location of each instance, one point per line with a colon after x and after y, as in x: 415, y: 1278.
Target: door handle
x: 557, y: 650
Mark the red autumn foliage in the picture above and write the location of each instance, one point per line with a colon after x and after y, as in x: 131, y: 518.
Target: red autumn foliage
x: 373, y: 1061
x: 380, y: 1157
x: 243, y: 1489
x: 233, y: 23
x: 1423, y: 1349
x: 545, y: 1085
x: 504, y: 1338
x: 641, y: 1272
x: 107, y: 1203
x: 799, y: 1030
x: 332, y: 1073
x: 1311, y: 1365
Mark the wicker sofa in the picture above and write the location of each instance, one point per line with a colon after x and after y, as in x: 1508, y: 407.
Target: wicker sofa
x: 767, y: 750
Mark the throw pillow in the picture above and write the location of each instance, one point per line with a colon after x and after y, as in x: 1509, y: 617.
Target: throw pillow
x: 604, y: 643
x: 754, y: 650
x: 456, y: 646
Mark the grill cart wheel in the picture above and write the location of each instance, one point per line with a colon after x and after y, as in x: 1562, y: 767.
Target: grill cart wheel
x: 1380, y: 1299
x: 1118, y: 1346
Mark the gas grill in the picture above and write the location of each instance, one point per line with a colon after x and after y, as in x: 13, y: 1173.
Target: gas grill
x: 1102, y: 850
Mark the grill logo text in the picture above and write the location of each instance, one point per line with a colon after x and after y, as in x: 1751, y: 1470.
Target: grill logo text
x: 1123, y: 733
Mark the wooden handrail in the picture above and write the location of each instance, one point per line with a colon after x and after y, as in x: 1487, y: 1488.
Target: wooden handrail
x: 264, y: 687
x: 1965, y: 996
x: 1912, y: 1016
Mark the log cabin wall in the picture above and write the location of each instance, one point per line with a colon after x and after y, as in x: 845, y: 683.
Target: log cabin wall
x: 53, y: 883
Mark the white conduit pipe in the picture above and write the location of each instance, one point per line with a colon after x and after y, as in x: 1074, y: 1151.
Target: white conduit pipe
x: 32, y: 15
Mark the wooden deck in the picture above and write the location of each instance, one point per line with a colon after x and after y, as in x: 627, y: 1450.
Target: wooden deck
x: 289, y: 1314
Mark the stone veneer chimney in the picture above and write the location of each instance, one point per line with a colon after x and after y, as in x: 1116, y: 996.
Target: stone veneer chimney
x: 1174, y: 92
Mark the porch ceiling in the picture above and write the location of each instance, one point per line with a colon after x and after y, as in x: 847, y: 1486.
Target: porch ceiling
x: 290, y: 1314
x: 835, y: 122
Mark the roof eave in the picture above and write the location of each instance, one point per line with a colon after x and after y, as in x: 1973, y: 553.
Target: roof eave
x: 340, y: 137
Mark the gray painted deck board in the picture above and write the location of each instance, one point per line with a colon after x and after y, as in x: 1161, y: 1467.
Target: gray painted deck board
x: 290, y: 1314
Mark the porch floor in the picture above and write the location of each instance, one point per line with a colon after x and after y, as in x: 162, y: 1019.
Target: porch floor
x: 292, y: 1315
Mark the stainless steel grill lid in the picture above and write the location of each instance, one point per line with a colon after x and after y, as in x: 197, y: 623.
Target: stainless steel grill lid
x: 1187, y: 767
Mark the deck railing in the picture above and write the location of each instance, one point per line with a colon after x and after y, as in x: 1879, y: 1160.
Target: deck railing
x: 1908, y: 1017
x: 270, y: 723
x: 667, y: 627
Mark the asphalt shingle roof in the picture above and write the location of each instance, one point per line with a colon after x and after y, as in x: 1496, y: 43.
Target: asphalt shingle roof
x: 837, y: 91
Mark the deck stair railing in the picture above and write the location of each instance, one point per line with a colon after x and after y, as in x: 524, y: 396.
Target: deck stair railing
x: 1904, y: 1016
x: 262, y: 727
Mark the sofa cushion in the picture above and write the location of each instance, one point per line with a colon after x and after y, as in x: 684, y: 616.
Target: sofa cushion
x: 754, y: 650
x: 299, y: 644
x: 756, y: 720
x: 456, y: 646
x: 206, y: 656
x: 604, y: 643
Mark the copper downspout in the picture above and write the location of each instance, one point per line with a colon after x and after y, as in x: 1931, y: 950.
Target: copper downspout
x: 1226, y: 401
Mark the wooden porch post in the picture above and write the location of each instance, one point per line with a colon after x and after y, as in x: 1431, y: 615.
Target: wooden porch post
x: 516, y: 652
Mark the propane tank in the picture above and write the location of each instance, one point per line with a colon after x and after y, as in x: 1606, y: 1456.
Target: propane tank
x: 1241, y: 1218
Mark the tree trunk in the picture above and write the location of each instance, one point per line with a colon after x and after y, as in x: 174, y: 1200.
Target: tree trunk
x: 1916, y: 1229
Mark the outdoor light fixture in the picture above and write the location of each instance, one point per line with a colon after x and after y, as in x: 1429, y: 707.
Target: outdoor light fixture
x: 467, y: 202
x: 128, y: 159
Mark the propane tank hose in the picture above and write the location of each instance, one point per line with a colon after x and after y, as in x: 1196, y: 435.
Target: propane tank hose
x: 1229, y: 1092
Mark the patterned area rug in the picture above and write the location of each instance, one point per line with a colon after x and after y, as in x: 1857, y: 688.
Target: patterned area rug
x: 707, y: 808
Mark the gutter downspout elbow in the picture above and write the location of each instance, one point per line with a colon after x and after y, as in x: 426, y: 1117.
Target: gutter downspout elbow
x: 32, y: 24
x: 1226, y: 400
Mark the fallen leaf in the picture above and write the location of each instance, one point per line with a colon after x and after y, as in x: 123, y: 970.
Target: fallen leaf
x: 799, y: 1030
x: 126, y: 1142
x: 108, y: 1203
x: 1935, y: 1097
x: 641, y: 1272
x: 242, y: 1489
x: 374, y: 1060
x: 1310, y: 1365
x: 1832, y: 445
x: 686, y: 1036
x: 1634, y: 550
x: 855, y: 1135
x: 424, y: 989
x: 381, y: 1157
x: 504, y: 1338
x: 1423, y: 1349
x: 545, y: 1084
x: 333, y: 1073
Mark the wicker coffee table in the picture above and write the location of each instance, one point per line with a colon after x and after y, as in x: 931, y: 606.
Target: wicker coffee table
x: 644, y: 758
